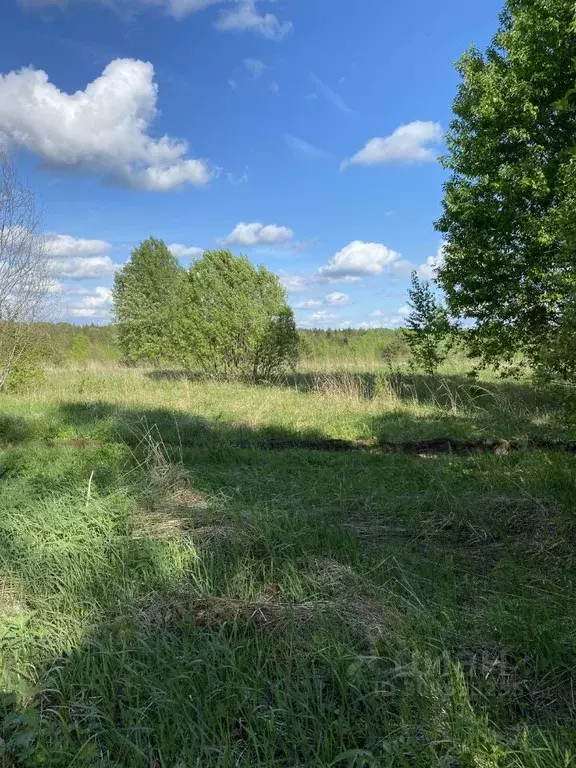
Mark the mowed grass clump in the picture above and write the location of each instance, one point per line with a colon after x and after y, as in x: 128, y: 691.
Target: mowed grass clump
x: 171, y: 594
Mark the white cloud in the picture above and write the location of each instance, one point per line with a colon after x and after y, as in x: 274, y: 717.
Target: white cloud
x: 102, y: 129
x: 96, y: 304
x: 76, y: 258
x: 295, y: 283
x: 334, y: 299
x: 246, y: 17
x: 77, y: 268
x: 301, y: 147
x: 429, y: 269
x: 64, y: 246
x: 404, y: 310
x: 331, y: 96
x: 243, y: 17
x: 413, y: 143
x: 337, y: 299
x: 274, y: 87
x: 308, y: 304
x: 358, y: 259
x: 176, y: 8
x: 256, y: 233
x: 387, y: 321
x: 56, y: 287
x: 323, y: 315
x: 321, y: 319
x: 255, y: 67
x: 181, y: 8
x: 185, y: 251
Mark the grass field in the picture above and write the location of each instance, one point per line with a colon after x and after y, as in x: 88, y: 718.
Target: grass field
x: 173, y: 594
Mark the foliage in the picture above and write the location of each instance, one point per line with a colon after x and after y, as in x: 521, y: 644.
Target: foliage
x: 428, y: 327
x: 80, y: 350
x: 148, y: 295
x: 509, y: 205
x: 26, y: 369
x: 353, y: 346
x: 236, y: 319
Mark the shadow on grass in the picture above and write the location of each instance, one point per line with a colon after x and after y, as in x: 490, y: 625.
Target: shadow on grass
x: 442, y: 391
x: 227, y: 606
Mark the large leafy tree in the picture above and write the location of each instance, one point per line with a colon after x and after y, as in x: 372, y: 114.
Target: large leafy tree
x: 509, y: 208
x: 148, y: 295
x: 236, y: 320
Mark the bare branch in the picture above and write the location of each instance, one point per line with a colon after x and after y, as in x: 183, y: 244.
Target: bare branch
x: 25, y: 273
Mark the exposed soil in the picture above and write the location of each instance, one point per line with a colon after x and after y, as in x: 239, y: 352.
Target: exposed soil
x: 434, y: 446
x: 429, y: 447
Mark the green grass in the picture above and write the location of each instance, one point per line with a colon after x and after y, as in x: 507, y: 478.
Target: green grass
x: 169, y: 599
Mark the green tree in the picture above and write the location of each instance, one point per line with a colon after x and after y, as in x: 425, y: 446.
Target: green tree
x: 236, y: 319
x: 509, y: 205
x: 428, y: 327
x: 80, y: 348
x: 148, y: 295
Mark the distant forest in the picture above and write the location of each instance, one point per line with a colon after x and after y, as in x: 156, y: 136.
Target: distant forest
x: 65, y: 342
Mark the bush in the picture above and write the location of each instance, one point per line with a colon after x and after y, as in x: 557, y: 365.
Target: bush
x: 26, y: 370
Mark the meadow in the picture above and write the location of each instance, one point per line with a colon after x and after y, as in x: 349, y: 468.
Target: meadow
x: 186, y: 581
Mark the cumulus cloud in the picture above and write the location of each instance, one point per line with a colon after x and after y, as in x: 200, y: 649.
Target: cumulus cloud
x: 308, y: 304
x: 185, y: 251
x: 404, y: 310
x: 429, y: 269
x: 102, y: 129
x: 245, y: 17
x: 295, y: 283
x: 94, y: 305
x: 386, y: 321
x: 255, y: 233
x: 76, y: 258
x: 416, y: 142
x: 323, y: 315
x: 337, y: 299
x: 358, y: 259
x: 65, y: 246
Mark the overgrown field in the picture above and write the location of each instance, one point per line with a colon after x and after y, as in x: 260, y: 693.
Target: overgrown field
x: 173, y: 593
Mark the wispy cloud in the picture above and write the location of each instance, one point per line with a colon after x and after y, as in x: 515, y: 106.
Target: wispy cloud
x: 255, y: 67
x: 331, y: 96
x: 305, y: 149
x: 244, y: 16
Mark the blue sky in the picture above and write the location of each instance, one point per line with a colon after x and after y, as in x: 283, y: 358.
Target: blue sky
x: 303, y: 133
